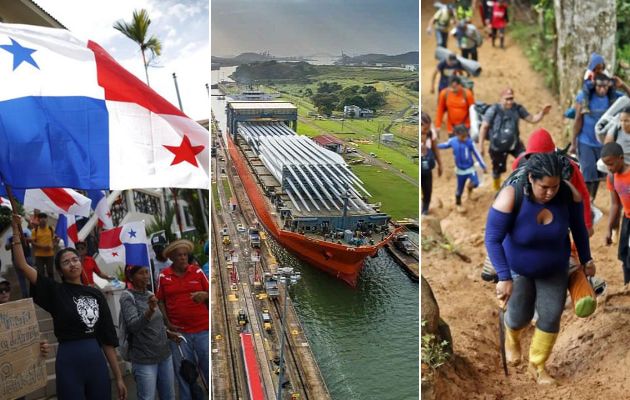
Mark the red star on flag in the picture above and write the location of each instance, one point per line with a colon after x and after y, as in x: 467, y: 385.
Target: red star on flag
x: 185, y: 152
x: 114, y: 254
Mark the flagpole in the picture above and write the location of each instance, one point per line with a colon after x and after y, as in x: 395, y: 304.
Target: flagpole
x: 89, y: 225
x: 14, y: 204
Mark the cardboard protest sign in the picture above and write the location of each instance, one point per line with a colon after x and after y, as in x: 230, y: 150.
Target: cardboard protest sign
x: 22, y: 369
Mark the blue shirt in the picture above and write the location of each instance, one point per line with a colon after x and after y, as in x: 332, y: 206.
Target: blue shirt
x: 463, y: 152
x: 598, y: 106
x: 519, y: 243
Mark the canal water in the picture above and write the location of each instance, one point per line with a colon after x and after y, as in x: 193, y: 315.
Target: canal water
x: 365, y: 339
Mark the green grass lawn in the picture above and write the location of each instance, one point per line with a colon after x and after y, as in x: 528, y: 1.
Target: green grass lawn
x: 215, y: 197
x: 399, y: 161
x: 398, y: 197
x: 226, y: 188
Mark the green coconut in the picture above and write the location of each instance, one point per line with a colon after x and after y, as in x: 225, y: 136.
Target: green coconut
x: 585, y: 306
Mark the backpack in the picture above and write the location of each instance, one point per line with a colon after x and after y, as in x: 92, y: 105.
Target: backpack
x: 477, y: 37
x: 503, y: 132
x: 124, y: 336
x: 518, y: 180
x: 449, y: 90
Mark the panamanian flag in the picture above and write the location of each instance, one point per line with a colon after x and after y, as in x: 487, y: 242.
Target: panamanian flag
x: 101, y: 208
x: 126, y: 244
x: 55, y: 200
x: 71, y: 116
x: 67, y: 229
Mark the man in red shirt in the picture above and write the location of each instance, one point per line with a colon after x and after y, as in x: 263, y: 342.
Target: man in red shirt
x: 183, y: 299
x: 89, y: 266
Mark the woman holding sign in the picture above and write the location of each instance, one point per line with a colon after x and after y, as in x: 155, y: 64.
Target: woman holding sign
x: 82, y: 323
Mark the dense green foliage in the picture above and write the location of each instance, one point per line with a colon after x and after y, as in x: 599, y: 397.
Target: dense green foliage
x: 623, y: 37
x: 274, y: 70
x: 539, y: 41
x: 331, y: 96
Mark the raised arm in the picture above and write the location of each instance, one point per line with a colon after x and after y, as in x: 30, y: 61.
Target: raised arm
x: 18, y: 252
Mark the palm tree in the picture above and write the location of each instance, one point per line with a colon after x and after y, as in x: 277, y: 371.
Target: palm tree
x: 137, y: 30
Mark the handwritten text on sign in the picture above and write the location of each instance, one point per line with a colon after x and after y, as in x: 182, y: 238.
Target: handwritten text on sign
x: 22, y: 369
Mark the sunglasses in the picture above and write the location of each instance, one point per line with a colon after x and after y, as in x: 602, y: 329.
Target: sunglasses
x: 5, y: 290
x: 509, y: 99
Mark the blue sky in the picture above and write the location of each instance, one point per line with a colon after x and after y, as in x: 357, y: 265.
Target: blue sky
x: 306, y: 27
x: 181, y: 25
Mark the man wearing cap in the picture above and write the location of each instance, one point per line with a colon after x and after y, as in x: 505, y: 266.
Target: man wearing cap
x: 89, y: 266
x: 455, y: 100
x: 158, y: 243
x: 500, y: 125
x: 451, y: 66
x: 183, y: 299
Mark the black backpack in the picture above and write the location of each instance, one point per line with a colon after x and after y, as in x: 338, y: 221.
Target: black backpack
x: 518, y: 179
x: 503, y: 131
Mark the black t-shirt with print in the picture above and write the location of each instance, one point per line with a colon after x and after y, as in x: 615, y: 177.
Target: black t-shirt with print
x: 79, y: 312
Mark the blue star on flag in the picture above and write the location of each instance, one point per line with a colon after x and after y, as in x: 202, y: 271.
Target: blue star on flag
x: 132, y: 233
x: 20, y: 54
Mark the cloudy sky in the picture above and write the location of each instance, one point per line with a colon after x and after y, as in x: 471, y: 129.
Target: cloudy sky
x: 307, y: 27
x: 181, y: 25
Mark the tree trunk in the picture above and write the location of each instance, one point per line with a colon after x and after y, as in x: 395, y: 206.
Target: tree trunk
x: 583, y: 27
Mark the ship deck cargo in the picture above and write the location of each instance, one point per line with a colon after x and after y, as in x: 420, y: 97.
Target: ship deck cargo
x: 307, y: 197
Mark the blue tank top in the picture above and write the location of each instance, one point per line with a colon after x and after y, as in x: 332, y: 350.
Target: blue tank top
x: 536, y: 250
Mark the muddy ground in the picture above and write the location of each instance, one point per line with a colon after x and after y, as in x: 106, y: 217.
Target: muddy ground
x: 590, y: 358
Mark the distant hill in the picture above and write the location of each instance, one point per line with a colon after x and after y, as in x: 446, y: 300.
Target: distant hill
x: 248, y: 58
x: 273, y: 70
x: 372, y: 59
x: 243, y: 58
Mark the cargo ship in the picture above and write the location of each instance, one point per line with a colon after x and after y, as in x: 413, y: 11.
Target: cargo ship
x: 306, y: 196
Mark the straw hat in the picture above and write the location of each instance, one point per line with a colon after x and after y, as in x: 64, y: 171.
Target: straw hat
x: 187, y: 244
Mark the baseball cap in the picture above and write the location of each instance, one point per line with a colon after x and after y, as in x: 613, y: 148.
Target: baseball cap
x: 4, y: 280
x: 158, y: 240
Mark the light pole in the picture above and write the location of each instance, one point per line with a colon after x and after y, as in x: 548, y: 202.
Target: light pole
x: 288, y: 277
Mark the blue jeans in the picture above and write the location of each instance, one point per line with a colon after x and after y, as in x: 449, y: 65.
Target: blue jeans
x: 442, y: 38
x: 148, y: 377
x: 195, y: 350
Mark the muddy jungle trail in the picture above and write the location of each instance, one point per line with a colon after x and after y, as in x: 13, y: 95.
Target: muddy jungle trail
x: 590, y: 358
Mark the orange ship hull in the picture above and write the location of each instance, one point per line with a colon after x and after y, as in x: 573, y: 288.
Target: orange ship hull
x: 342, y: 261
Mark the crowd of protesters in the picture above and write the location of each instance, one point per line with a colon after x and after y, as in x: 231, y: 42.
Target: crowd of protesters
x: 165, y: 315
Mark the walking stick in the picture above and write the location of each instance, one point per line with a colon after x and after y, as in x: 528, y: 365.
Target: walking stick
x: 502, y: 307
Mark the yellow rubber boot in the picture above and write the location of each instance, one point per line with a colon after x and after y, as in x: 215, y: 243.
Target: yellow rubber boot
x: 539, y: 351
x: 513, y: 345
x: 496, y: 182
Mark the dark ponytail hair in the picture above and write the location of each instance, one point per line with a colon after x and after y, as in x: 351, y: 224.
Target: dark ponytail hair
x: 425, y: 118
x: 58, y: 259
x: 540, y: 165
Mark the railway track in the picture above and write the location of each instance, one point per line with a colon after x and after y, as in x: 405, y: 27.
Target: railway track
x: 231, y: 339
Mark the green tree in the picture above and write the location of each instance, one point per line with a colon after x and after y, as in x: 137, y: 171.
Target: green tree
x: 367, y: 89
x: 375, y: 99
x: 325, y: 102
x: 328, y: 87
x: 137, y: 30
